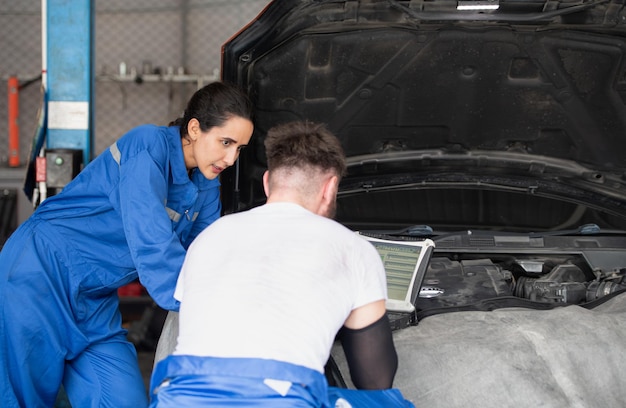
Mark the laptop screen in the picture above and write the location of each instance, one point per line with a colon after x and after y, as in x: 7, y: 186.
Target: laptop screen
x: 400, y: 261
x: 405, y: 265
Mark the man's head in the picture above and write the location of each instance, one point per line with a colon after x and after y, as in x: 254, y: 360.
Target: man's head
x: 305, y: 164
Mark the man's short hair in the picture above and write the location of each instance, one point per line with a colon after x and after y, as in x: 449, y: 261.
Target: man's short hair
x: 304, y: 144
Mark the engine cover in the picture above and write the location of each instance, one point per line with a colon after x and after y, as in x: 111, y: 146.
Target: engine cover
x: 457, y: 283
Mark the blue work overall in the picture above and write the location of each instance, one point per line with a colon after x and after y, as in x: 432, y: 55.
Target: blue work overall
x: 189, y: 381
x: 131, y: 213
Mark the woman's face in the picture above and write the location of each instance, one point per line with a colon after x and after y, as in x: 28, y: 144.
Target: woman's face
x: 213, y: 151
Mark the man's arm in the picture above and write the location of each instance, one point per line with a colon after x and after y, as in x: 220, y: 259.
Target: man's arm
x: 368, y: 345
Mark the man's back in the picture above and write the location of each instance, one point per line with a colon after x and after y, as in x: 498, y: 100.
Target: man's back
x: 272, y: 290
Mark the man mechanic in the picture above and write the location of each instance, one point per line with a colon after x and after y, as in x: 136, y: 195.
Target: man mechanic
x: 264, y: 293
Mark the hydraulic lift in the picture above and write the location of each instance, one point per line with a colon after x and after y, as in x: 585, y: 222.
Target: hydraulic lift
x: 64, y: 134
x: 64, y: 140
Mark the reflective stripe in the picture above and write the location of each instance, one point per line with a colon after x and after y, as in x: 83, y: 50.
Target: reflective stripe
x: 115, y: 152
x: 195, y: 215
x: 174, y: 216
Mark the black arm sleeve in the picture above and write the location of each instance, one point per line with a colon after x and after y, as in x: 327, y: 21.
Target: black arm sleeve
x: 371, y: 355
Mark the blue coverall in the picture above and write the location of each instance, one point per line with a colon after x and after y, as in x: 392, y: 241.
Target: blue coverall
x: 131, y: 213
x: 192, y: 381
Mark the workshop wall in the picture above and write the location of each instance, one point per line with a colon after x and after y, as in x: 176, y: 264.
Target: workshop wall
x: 150, y: 56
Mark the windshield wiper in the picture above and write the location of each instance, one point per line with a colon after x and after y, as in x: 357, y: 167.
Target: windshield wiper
x: 426, y: 231
x: 423, y: 231
x: 586, y: 229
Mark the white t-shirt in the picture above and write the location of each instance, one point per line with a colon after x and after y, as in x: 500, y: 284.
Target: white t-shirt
x: 274, y: 282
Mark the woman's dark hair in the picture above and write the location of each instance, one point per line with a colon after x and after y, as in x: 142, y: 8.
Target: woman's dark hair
x: 214, y: 104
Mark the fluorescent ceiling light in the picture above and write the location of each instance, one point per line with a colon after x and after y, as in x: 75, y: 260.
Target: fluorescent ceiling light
x: 478, y: 5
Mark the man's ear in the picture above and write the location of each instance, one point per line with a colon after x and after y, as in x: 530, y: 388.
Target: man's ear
x: 329, y: 192
x: 266, y: 183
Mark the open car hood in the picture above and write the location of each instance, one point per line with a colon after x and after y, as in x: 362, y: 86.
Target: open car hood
x: 499, y: 134
x: 511, y: 119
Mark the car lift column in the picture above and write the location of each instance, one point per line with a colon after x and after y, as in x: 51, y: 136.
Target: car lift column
x: 69, y: 82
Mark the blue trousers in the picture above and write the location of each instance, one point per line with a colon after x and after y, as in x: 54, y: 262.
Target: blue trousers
x: 51, y: 334
x: 190, y: 381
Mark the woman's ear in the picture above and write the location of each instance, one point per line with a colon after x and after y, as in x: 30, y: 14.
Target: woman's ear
x: 193, y: 129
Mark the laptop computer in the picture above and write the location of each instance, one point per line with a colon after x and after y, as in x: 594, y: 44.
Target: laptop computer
x: 405, y: 267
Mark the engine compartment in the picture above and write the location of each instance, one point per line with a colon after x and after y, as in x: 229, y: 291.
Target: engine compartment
x: 456, y: 280
x: 453, y: 281
x: 479, y: 270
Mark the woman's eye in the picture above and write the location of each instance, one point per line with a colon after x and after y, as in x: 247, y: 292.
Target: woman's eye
x: 225, y: 142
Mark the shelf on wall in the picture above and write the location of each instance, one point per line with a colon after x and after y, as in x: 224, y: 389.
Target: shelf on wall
x: 161, y: 78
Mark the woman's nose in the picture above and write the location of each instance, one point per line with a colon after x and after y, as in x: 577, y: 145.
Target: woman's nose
x: 231, y: 157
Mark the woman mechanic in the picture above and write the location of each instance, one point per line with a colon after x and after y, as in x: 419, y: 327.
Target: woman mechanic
x: 131, y: 213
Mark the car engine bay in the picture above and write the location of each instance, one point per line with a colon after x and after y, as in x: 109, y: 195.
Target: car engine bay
x: 487, y: 271
x: 453, y: 281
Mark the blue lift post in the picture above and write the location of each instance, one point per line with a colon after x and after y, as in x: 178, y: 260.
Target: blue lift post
x: 69, y: 82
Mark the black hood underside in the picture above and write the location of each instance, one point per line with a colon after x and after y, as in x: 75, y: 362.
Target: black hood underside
x: 393, y: 80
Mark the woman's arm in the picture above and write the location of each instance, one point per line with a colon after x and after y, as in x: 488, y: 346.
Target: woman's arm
x: 154, y: 247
